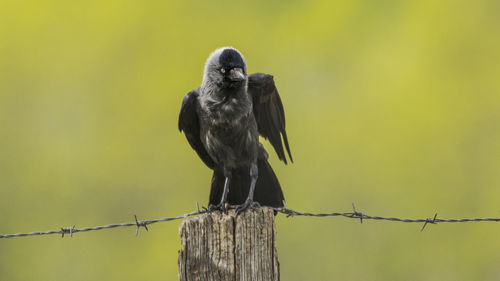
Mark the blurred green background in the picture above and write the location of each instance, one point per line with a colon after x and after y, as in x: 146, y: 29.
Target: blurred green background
x: 392, y: 105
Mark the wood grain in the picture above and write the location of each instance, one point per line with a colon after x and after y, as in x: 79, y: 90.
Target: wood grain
x: 218, y: 246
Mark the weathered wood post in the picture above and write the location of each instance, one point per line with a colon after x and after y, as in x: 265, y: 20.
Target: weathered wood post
x: 217, y: 246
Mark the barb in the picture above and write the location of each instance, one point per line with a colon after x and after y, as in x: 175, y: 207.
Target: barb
x: 139, y: 224
x: 357, y: 214
x: 286, y: 211
x: 69, y: 230
x: 429, y: 220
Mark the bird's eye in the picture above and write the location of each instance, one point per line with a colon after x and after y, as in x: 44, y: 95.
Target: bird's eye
x: 222, y: 70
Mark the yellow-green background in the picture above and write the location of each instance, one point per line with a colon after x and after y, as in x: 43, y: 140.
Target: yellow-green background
x: 392, y: 105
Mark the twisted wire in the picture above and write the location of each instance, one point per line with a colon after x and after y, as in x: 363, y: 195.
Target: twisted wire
x: 286, y: 211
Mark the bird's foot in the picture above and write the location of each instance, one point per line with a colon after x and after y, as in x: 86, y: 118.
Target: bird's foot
x: 248, y: 204
x: 219, y: 207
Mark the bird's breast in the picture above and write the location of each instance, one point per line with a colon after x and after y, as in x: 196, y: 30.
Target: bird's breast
x: 232, y: 143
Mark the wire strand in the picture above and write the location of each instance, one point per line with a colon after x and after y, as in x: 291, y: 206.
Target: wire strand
x: 286, y: 211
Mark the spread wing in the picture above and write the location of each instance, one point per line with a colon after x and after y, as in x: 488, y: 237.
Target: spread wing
x: 189, y: 123
x: 268, y: 111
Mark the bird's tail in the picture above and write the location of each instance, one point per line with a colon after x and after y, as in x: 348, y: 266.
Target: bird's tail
x: 267, y: 189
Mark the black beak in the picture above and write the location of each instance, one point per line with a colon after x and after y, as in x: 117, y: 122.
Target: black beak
x: 236, y: 74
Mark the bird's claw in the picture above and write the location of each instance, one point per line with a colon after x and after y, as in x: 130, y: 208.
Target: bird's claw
x: 211, y: 208
x: 248, y: 204
x: 219, y: 207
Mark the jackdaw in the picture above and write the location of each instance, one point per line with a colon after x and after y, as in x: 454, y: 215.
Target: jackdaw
x: 222, y: 120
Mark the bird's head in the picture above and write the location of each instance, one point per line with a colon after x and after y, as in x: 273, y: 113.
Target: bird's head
x: 226, y: 68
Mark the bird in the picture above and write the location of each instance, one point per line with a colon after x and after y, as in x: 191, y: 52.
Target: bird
x: 222, y: 120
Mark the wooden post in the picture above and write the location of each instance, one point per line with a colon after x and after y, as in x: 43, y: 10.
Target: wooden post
x: 218, y: 247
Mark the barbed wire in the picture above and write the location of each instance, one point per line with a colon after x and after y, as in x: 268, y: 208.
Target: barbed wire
x: 71, y: 230
x: 362, y: 216
x: 354, y: 214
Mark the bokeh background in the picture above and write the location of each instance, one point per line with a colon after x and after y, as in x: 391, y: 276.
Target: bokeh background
x: 392, y: 105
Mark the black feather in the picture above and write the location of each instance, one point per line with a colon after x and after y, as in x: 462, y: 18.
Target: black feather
x: 269, y: 112
x: 190, y: 124
x: 267, y: 189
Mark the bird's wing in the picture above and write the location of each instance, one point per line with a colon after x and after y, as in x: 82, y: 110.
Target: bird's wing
x: 268, y: 111
x: 189, y: 123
